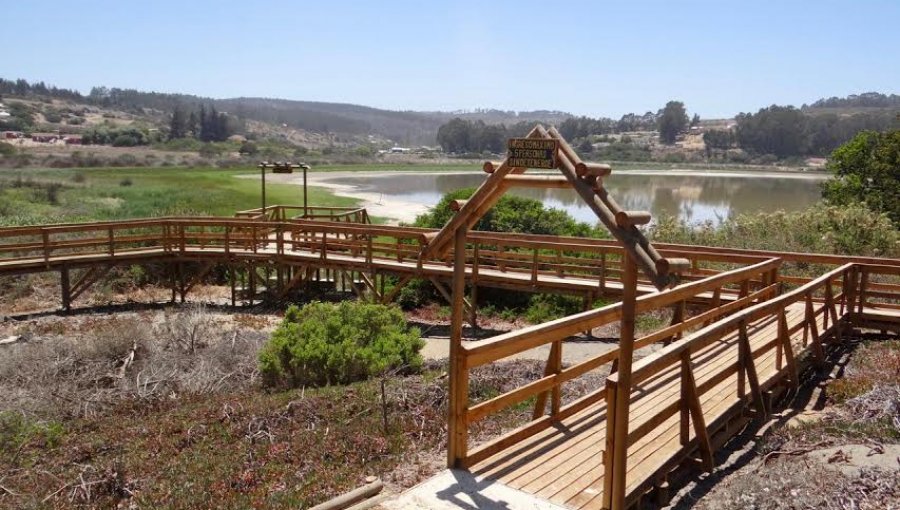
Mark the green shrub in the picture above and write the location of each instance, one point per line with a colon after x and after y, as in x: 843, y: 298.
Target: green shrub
x: 7, y: 149
x: 16, y: 430
x: 324, y: 343
x: 867, y: 169
x: 511, y: 214
x: 125, y: 141
x: 852, y: 229
x: 415, y: 294
x: 547, y: 307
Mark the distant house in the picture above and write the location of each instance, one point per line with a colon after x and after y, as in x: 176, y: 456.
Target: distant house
x: 44, y: 137
x: 400, y: 150
x: 12, y: 135
x: 72, y: 139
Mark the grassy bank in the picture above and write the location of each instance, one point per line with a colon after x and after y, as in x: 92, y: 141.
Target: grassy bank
x: 32, y: 196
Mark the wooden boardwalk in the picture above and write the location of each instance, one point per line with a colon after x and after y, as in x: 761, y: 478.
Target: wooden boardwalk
x: 564, y: 463
x: 685, y: 400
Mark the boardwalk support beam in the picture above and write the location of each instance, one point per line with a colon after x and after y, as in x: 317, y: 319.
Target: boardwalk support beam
x: 459, y: 372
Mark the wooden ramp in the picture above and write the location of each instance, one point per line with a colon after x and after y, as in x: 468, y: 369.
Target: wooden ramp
x: 564, y: 463
x: 720, y: 371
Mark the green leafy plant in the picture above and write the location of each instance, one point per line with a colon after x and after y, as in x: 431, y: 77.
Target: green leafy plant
x: 325, y: 343
x: 867, y: 169
x: 17, y: 430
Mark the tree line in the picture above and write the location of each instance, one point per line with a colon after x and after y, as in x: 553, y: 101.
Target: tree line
x: 459, y: 135
x: 785, y: 131
x: 21, y: 87
x: 864, y: 100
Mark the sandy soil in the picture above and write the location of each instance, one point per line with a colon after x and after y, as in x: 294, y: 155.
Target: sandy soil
x: 396, y: 211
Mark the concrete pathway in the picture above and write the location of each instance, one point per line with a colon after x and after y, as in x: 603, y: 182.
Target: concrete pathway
x: 454, y: 489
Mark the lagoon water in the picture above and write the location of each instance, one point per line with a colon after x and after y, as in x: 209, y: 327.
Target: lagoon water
x: 695, y: 196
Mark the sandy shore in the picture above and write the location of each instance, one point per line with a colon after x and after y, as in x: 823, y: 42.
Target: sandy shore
x: 394, y: 210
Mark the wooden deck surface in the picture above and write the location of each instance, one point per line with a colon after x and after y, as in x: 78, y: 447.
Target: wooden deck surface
x: 564, y: 464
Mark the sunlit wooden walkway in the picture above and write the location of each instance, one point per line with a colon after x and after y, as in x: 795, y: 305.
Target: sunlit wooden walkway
x: 686, y: 399
x: 564, y: 463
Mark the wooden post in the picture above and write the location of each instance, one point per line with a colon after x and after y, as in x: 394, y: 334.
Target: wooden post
x: 251, y: 283
x: 262, y: 175
x: 66, y: 288
x: 602, y: 273
x: 231, y: 280
x: 174, y: 281
x: 785, y: 339
x: 678, y: 310
x: 459, y: 373
x: 473, y: 307
x: 689, y: 392
x: 861, y: 294
x: 749, y: 367
x: 585, y: 306
x: 182, y: 290
x: 611, y: 391
x: 623, y: 396
x: 305, y: 198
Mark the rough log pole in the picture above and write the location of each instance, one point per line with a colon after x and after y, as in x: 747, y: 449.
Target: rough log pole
x: 633, y: 240
x: 351, y: 498
x: 623, y: 389
x: 459, y: 374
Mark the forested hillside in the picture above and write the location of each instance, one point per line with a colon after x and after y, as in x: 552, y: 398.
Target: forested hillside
x: 404, y: 127
x: 782, y: 131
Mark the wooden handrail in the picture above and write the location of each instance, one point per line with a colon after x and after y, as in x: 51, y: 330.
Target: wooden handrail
x: 507, y: 344
x: 670, y: 355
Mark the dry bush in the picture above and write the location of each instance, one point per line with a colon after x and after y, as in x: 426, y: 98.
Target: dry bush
x: 187, y: 330
x: 797, y: 484
x: 881, y: 403
x: 109, y: 361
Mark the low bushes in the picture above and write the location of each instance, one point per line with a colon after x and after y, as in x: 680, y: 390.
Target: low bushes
x: 324, y: 343
x: 850, y: 229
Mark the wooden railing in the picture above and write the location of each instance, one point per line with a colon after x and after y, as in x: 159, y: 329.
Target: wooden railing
x: 674, y: 371
x: 180, y: 235
x: 520, y: 261
x: 312, y: 212
x: 751, y: 284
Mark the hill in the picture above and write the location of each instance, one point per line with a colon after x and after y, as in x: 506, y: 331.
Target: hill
x: 402, y: 127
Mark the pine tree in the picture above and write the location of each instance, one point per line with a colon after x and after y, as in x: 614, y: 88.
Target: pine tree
x: 204, y: 125
x: 192, y: 125
x: 178, y: 124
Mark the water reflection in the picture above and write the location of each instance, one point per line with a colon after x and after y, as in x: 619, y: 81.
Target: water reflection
x: 695, y: 197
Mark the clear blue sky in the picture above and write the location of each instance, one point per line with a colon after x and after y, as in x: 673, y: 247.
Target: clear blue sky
x: 586, y: 57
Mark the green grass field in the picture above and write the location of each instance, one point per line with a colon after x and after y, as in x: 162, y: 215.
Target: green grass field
x: 41, y: 196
